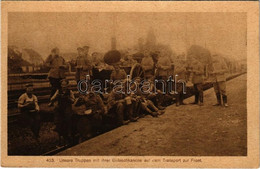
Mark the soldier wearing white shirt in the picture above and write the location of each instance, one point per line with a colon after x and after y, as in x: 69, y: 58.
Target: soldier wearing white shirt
x: 29, y: 108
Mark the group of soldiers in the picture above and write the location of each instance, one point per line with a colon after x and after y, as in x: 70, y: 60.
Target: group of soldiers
x: 125, y: 107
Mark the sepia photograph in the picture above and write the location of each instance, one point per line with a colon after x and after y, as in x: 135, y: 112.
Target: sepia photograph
x: 127, y: 84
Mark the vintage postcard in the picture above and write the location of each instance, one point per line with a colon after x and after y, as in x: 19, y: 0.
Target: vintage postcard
x: 130, y: 84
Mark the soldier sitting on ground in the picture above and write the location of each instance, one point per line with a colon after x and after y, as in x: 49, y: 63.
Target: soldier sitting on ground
x: 146, y: 105
x: 117, y: 104
x: 95, y: 110
x: 29, y: 109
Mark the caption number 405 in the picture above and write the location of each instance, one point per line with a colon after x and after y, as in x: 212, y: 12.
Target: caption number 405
x: 50, y: 160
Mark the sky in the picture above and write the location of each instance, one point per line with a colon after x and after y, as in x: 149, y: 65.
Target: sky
x: 220, y: 32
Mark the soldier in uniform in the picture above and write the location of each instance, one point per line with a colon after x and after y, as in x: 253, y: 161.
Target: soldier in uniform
x: 57, y: 70
x: 198, y: 80
x: 148, y: 65
x: 219, y: 68
x: 163, y: 72
x: 92, y: 102
x: 29, y: 109
x: 116, y: 103
x: 163, y: 68
x: 144, y: 99
x: 63, y: 100
x: 181, y: 78
x: 83, y: 64
x: 118, y: 73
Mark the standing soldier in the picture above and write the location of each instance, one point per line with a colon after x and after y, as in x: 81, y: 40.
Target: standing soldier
x: 83, y: 65
x: 162, y: 73
x: 164, y: 67
x: 88, y: 65
x: 198, y: 80
x: 148, y: 65
x: 29, y: 108
x: 219, y: 68
x: 63, y: 98
x: 57, y: 69
x: 181, y: 78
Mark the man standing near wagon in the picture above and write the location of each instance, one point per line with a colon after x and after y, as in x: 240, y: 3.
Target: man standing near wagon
x: 148, y: 65
x: 198, y: 80
x: 219, y: 69
x: 180, y: 76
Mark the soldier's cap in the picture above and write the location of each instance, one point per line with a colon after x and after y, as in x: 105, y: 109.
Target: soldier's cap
x: 29, y: 85
x: 80, y: 49
x: 85, y: 47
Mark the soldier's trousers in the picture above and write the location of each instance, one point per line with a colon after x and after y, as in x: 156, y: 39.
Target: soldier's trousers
x: 220, y: 90
x: 179, y: 96
x: 32, y: 120
x: 220, y: 87
x: 55, y: 85
x: 198, y: 92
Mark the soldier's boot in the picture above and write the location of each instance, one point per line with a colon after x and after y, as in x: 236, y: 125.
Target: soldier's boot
x: 177, y: 99
x: 201, y: 100
x: 181, y: 99
x: 225, y: 100
x: 218, y: 99
x: 196, y: 99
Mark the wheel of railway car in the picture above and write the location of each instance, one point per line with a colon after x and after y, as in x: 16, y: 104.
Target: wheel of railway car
x: 137, y: 71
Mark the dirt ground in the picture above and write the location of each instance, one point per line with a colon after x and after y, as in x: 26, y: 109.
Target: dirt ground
x: 188, y: 130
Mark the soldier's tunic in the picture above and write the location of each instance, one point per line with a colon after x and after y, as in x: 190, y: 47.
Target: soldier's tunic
x: 148, y: 66
x: 198, y: 80
x: 116, y: 104
x: 95, y: 103
x: 83, y: 68
x: 30, y: 113
x: 164, y: 68
x: 118, y: 75
x: 56, y: 73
